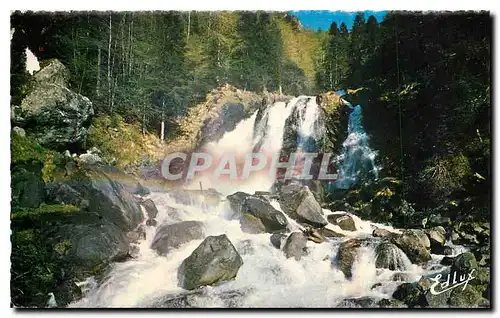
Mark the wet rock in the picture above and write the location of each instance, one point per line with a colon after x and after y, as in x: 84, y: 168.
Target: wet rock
x: 252, y: 225
x: 272, y: 219
x: 447, y: 261
x: 326, y: 232
x: 347, y: 255
x: 390, y: 256
x: 415, y: 244
x: 27, y: 185
x: 214, y: 261
x: 344, y: 221
x: 410, y: 294
x: 314, y: 235
x: 236, y: 201
x: 245, y: 247
x: 464, y: 263
x: 437, y: 235
x: 150, y: 208
x: 277, y: 239
x: 295, y: 245
x: 378, y: 232
x: 401, y: 277
x: 151, y: 222
x: 298, y: 202
x: 171, y: 236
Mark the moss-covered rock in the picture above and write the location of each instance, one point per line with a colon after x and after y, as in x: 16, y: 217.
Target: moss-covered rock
x: 411, y: 294
x: 465, y: 298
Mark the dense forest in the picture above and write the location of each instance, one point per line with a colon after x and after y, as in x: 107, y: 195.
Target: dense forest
x: 149, y: 66
x: 425, y: 77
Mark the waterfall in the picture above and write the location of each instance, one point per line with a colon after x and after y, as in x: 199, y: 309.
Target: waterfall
x: 266, y: 278
x: 357, y: 160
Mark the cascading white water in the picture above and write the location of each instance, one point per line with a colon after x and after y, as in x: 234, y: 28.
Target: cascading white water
x: 266, y: 278
x: 357, y: 157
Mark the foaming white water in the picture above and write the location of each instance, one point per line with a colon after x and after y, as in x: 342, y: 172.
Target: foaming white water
x: 266, y: 278
x: 357, y: 157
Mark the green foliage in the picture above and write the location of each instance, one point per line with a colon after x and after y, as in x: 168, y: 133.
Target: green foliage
x: 26, y: 150
x: 123, y: 143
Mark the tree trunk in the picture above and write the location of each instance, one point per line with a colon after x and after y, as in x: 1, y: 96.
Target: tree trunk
x: 109, y: 61
x: 98, y: 83
x: 189, y: 26
x: 131, y: 28
x: 162, y: 132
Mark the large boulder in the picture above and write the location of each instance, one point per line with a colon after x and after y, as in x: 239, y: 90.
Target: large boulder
x: 415, y: 244
x: 411, y: 294
x: 171, y: 236
x: 105, y: 196
x: 390, y: 256
x: 464, y: 263
x: 272, y: 219
x: 344, y: 220
x: 298, y: 202
x: 347, y: 255
x: 295, y: 245
x: 214, y: 261
x: 52, y: 72
x: 236, y: 202
x: 100, y: 241
x: 55, y: 115
x: 437, y: 238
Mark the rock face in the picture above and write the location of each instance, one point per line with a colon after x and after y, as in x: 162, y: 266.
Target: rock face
x: 172, y: 236
x: 390, y: 256
x: 229, y: 114
x: 214, y: 261
x: 298, y: 202
x: 347, y: 255
x: 295, y: 245
x: 57, y: 116
x: 344, y: 221
x: 272, y: 219
x: 415, y: 244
